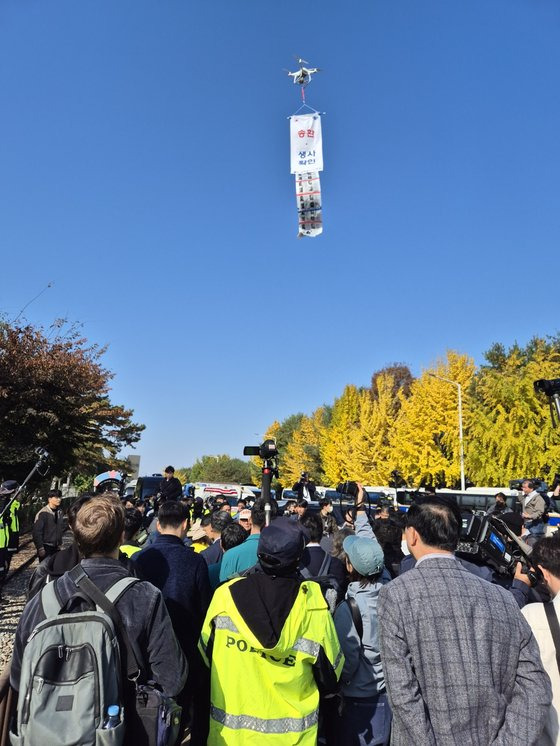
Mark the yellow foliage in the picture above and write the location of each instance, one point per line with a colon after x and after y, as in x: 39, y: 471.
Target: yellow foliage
x: 511, y: 431
x: 337, y: 452
x: 372, y: 460
x: 425, y: 439
x: 303, y: 451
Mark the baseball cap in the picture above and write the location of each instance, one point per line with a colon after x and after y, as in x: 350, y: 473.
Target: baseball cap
x: 281, y: 544
x: 244, y: 514
x: 196, y: 531
x: 9, y: 486
x: 365, y: 554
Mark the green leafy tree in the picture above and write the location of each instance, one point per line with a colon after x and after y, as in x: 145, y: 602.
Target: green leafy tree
x: 55, y: 394
x: 221, y: 468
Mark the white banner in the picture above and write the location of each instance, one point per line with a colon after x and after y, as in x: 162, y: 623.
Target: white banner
x: 306, y: 143
x: 308, y: 196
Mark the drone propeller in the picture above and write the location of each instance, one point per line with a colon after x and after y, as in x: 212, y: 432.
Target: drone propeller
x: 300, y: 60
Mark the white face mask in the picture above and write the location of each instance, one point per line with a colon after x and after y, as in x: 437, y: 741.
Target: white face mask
x: 404, y: 548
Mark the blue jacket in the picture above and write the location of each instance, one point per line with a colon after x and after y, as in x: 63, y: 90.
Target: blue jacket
x: 362, y: 675
x: 239, y: 558
x: 182, y: 577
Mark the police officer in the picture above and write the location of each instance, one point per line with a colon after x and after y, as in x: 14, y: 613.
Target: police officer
x: 12, y: 519
x: 8, y: 523
x: 273, y: 632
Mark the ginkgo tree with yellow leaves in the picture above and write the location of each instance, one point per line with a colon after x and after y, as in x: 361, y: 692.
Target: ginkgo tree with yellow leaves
x: 425, y: 438
x: 412, y: 425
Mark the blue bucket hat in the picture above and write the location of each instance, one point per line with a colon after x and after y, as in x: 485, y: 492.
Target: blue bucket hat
x: 365, y: 555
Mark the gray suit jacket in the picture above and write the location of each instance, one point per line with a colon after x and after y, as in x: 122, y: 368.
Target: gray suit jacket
x: 461, y: 664
x: 535, y: 506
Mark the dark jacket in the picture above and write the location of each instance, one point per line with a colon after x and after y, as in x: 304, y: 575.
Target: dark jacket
x: 170, y: 489
x: 213, y: 554
x: 182, y: 577
x: 298, y: 487
x: 144, y: 616
x: 49, y: 527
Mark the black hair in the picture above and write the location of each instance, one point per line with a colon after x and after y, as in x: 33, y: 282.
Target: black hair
x: 301, y: 502
x: 500, y: 494
x: 132, y: 522
x: 436, y: 522
x: 205, y: 520
x: 171, y: 514
x: 314, y: 525
x: 546, y: 552
x: 257, y: 512
x: 219, y: 520
x: 169, y: 469
x: 54, y: 493
x: 233, y: 535
x: 325, y: 501
x: 388, y: 534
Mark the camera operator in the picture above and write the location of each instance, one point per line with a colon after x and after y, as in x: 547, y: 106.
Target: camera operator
x: 305, y: 488
x: 500, y: 506
x: 519, y: 585
x: 533, y: 508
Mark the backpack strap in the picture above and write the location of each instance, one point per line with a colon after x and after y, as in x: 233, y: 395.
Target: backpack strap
x: 552, y: 619
x: 356, y: 617
x: 304, y: 571
x: 116, y: 591
x: 49, y: 600
x: 87, y: 586
x: 325, y: 565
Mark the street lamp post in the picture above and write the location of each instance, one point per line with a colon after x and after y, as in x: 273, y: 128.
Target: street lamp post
x: 461, y: 450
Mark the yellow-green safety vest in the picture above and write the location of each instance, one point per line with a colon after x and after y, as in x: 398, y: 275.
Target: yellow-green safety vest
x: 267, y: 696
x: 14, y: 517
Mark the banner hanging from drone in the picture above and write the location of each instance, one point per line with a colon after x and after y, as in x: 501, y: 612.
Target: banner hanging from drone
x: 306, y: 143
x: 306, y: 160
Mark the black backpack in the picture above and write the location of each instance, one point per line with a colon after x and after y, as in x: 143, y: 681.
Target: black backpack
x: 330, y: 586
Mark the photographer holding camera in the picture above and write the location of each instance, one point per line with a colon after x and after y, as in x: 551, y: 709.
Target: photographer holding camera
x: 305, y: 488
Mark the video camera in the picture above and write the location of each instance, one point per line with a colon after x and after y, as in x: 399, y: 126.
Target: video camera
x: 266, y: 450
x: 489, y: 539
x: 551, y: 389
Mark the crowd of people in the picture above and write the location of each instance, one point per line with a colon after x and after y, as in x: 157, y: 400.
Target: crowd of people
x: 355, y: 629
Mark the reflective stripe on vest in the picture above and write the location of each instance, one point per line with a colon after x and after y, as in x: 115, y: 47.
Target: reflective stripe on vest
x: 225, y: 622
x: 264, y: 725
x: 307, y: 646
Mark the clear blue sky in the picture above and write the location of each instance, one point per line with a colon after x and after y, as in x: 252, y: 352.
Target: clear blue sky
x: 144, y: 169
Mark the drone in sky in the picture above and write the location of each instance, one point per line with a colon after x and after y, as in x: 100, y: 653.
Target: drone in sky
x: 303, y: 75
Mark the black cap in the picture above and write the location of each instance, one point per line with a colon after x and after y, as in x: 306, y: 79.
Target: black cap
x: 9, y: 486
x: 281, y: 544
